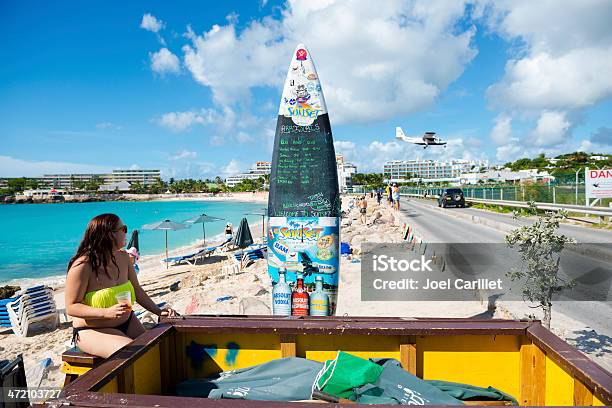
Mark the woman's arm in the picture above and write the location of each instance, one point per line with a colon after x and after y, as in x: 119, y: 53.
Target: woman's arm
x: 76, y: 285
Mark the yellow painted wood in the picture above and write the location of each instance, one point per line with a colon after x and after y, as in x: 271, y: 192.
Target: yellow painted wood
x: 67, y: 368
x: 251, y: 349
x: 322, y: 347
x: 147, y: 378
x: 110, y: 387
x: 597, y: 402
x: 532, y: 374
x: 480, y: 360
x: 559, y: 385
x: 582, y: 395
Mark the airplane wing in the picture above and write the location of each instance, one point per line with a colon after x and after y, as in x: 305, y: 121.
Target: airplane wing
x: 429, y: 136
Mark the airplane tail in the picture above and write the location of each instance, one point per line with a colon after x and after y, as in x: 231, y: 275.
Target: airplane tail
x: 399, y: 133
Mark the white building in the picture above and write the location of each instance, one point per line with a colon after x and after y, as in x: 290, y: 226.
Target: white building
x: 259, y: 169
x: 345, y: 173
x: 143, y: 177
x: 429, y: 170
x: 117, y: 186
x: 506, y: 176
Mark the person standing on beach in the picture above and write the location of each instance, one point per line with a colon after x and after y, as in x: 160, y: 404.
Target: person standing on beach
x: 363, y: 209
x: 101, y: 286
x: 378, y: 196
x: 228, y: 231
x: 396, y: 197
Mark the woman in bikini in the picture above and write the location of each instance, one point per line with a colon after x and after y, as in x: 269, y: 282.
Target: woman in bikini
x: 98, y: 272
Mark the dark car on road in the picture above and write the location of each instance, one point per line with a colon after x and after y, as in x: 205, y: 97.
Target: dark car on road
x: 451, y: 197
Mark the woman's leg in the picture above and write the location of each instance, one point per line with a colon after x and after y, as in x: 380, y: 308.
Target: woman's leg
x: 102, y: 342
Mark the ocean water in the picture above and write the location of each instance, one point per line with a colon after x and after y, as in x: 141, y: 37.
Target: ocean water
x: 38, y: 240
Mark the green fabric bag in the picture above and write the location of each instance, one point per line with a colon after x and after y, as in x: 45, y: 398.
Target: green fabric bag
x: 340, y: 376
x: 466, y: 392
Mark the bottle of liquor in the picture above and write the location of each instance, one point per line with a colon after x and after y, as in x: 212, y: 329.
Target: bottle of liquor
x: 319, y: 301
x: 281, y: 295
x: 299, y: 298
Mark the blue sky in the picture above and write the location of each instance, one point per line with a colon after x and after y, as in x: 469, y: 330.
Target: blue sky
x: 193, y: 88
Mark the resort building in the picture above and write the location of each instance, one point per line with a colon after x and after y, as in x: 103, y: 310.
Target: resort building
x: 259, y: 169
x: 429, y: 170
x: 144, y: 177
x: 345, y: 173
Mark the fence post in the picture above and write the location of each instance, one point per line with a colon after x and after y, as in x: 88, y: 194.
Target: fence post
x: 501, y: 194
x: 554, y: 195
x: 523, y: 193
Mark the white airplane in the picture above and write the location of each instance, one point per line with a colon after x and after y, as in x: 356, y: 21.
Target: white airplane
x: 428, y: 138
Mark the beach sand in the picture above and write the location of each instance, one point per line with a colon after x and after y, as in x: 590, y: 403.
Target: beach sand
x: 200, y: 288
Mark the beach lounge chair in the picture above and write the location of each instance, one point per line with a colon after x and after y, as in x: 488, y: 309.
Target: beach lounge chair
x: 34, y: 305
x: 191, y: 258
x: 5, y: 322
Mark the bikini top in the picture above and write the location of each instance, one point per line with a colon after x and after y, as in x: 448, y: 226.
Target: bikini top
x: 103, y: 298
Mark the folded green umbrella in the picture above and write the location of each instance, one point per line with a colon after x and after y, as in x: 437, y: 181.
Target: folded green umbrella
x: 344, y: 373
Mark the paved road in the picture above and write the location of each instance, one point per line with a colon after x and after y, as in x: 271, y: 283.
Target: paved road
x: 581, y: 234
x: 440, y: 226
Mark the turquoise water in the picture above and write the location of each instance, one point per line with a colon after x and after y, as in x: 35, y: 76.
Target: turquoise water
x: 38, y: 240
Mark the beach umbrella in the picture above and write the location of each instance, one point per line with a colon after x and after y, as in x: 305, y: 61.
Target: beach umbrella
x: 203, y: 219
x: 134, y: 241
x: 243, y: 235
x: 166, y: 225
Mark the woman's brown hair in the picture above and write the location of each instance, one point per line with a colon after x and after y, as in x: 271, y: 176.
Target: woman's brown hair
x: 98, y: 243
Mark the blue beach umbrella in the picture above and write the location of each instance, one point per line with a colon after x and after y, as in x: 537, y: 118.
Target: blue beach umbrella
x: 166, y: 225
x: 203, y: 219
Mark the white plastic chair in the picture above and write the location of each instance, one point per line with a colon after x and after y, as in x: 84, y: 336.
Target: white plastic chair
x: 33, y: 307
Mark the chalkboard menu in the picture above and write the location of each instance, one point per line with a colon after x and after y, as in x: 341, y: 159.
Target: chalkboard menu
x: 304, y: 178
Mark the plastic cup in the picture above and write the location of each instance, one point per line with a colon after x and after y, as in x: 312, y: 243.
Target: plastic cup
x: 124, y: 297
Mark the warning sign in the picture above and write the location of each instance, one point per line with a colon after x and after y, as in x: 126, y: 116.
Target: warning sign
x: 598, y: 183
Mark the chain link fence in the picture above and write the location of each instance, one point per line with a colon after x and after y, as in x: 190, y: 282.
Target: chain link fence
x: 556, y: 194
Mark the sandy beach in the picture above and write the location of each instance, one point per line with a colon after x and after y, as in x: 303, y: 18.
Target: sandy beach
x: 204, y: 289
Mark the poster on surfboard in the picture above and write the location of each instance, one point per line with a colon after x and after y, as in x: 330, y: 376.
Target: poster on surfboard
x: 304, y: 200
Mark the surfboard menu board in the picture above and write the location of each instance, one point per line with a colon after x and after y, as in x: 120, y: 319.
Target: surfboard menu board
x: 304, y: 199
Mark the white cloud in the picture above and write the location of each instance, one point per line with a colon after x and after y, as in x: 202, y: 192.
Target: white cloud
x: 183, y: 154
x: 243, y: 137
x: 508, y: 152
x: 561, y: 64
x: 576, y: 79
x: 13, y: 167
x: 551, y: 129
x: 134, y: 167
x: 164, y: 61
x: 180, y: 121
x: 347, y: 149
x: 502, y: 131
x: 232, y: 168
x: 150, y: 23
x: 397, y: 57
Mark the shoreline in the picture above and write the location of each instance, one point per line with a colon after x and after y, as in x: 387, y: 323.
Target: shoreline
x: 56, y: 282
x: 260, y: 196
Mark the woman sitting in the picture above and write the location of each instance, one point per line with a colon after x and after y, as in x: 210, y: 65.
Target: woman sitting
x: 101, y: 286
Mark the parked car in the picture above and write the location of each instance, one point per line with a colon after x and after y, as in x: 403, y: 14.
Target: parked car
x: 451, y: 197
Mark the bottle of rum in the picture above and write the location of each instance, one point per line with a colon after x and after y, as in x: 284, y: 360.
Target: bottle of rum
x: 319, y: 301
x: 299, y: 298
x: 281, y: 295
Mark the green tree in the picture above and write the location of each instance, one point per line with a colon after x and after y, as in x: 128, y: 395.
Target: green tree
x: 540, y: 248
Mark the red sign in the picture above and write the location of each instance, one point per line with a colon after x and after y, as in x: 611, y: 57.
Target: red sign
x: 301, y: 54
